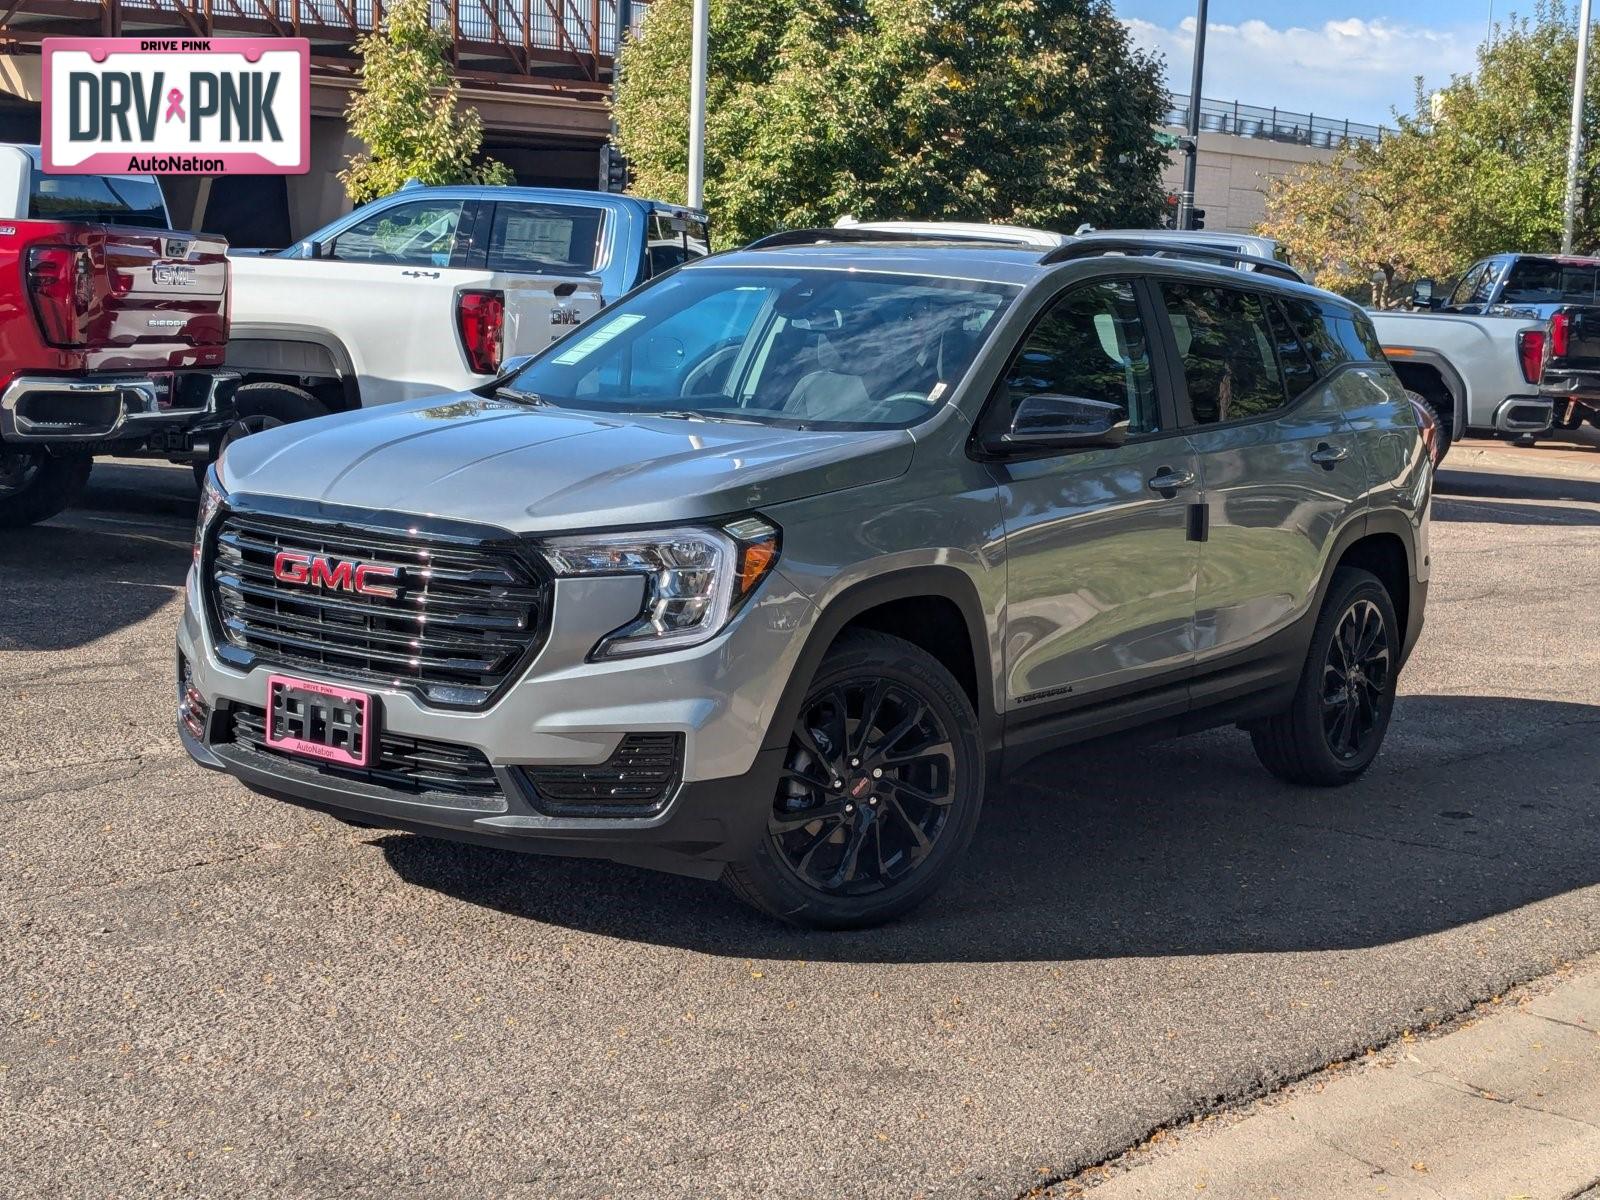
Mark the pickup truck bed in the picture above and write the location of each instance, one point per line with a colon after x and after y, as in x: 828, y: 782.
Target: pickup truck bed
x: 430, y: 290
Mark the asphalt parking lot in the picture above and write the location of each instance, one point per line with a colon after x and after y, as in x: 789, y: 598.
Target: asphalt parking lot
x: 209, y: 993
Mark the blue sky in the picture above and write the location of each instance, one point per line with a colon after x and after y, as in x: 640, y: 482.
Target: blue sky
x: 1342, y: 58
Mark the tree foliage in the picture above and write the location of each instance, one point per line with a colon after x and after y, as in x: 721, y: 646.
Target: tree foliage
x: 408, y: 112
x: 1033, y: 111
x: 1478, y: 167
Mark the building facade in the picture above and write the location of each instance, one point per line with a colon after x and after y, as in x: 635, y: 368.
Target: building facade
x: 1244, y: 147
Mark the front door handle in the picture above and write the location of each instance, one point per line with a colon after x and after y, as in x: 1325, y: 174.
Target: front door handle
x: 1167, y: 481
x: 1328, y: 457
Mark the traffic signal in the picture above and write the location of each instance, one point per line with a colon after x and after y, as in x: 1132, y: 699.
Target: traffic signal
x: 1197, y: 218
x: 613, y: 169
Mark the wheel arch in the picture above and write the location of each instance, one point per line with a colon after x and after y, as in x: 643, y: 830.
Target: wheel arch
x: 935, y: 608
x: 1415, y: 365
x: 277, y: 353
x: 1384, y: 544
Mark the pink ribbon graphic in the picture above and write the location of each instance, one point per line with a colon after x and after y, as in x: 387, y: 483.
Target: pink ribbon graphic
x: 175, y: 106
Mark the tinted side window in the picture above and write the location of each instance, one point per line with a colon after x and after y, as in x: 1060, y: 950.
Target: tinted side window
x: 1469, y: 281
x: 1293, y: 360
x: 1327, y: 349
x: 1484, y: 288
x: 1226, y: 343
x: 421, y: 233
x: 1090, y: 343
x: 1334, y: 334
x: 675, y: 240
x: 544, y: 237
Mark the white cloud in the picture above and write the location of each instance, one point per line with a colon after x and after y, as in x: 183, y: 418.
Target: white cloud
x: 1346, y: 68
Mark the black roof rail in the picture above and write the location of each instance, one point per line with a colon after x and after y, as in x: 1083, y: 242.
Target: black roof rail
x: 1088, y: 247
x: 838, y: 233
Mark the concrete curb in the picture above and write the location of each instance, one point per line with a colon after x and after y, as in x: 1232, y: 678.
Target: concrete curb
x: 1505, y: 1106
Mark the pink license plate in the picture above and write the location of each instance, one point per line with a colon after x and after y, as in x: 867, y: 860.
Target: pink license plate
x: 319, y: 721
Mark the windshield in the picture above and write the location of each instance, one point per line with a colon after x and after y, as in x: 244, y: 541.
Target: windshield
x: 832, y: 349
x: 1550, y: 281
x: 101, y: 199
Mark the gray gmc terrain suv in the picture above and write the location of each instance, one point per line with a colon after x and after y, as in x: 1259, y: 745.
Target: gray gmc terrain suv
x: 763, y: 572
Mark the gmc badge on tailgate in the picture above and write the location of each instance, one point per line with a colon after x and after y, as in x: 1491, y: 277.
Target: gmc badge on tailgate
x: 172, y: 275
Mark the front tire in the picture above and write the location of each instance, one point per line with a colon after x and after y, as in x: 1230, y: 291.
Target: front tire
x: 879, y: 794
x: 36, y: 485
x: 1335, y: 725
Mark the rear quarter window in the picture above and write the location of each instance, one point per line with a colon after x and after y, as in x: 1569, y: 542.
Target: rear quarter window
x: 1334, y: 334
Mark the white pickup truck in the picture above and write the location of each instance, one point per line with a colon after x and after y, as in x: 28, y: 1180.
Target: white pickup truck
x: 432, y: 289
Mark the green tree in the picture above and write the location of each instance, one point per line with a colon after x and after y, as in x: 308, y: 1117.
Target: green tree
x: 1479, y: 167
x: 408, y: 112
x: 1362, y: 221
x: 1503, y: 131
x: 1033, y: 111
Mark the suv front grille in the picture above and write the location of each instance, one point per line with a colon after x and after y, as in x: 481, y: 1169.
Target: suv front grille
x: 463, y: 615
x: 404, y: 764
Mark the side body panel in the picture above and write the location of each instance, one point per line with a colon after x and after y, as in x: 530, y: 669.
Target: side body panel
x: 1273, y: 513
x: 1101, y: 572
x: 1481, y: 349
x: 397, y: 324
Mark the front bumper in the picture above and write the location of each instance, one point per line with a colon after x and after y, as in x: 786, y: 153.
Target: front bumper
x: 563, y: 712
x: 47, y: 409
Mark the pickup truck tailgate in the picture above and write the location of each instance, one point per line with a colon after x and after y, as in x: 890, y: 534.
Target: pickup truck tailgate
x: 122, y: 297
x: 165, y: 287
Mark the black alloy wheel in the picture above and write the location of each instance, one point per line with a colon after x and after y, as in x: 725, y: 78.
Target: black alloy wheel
x: 866, y: 789
x: 1335, y: 723
x: 1355, y: 680
x: 879, y: 791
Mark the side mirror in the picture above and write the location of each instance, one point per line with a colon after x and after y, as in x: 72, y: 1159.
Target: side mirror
x: 318, y: 249
x: 1422, y: 294
x: 1047, y: 421
x: 513, y: 365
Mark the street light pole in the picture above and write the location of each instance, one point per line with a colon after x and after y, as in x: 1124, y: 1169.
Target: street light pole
x: 1580, y: 80
x: 1191, y: 147
x: 697, y: 106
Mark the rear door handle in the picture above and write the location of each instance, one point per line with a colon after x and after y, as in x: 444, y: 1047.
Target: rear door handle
x: 1329, y: 456
x: 1168, y: 481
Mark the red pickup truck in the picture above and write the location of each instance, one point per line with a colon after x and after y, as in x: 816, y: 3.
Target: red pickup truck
x: 113, y: 330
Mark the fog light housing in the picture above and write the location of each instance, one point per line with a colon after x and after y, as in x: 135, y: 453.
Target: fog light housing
x: 193, y: 712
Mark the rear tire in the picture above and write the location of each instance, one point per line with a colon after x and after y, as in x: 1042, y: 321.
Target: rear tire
x: 262, y: 406
x: 879, y: 795
x: 36, y: 485
x: 1335, y: 725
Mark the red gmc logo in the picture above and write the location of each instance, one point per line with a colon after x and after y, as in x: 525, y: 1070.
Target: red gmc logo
x: 339, y: 575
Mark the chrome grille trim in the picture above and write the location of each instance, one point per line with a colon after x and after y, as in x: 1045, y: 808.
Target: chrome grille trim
x: 469, y: 616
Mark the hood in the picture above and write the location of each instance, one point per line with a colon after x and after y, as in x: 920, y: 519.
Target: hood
x: 539, y: 470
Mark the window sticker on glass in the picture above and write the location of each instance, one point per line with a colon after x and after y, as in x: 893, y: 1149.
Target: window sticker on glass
x: 587, y: 345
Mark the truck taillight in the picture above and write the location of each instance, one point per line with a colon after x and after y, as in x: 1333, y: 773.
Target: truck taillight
x: 1530, y: 349
x: 481, y: 320
x: 1560, y: 334
x: 61, y: 285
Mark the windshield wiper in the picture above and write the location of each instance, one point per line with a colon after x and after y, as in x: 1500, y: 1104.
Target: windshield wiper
x: 689, y: 414
x: 532, y: 399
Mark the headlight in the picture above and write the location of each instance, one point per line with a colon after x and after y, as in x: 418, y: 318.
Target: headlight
x: 695, y: 578
x: 211, y: 500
